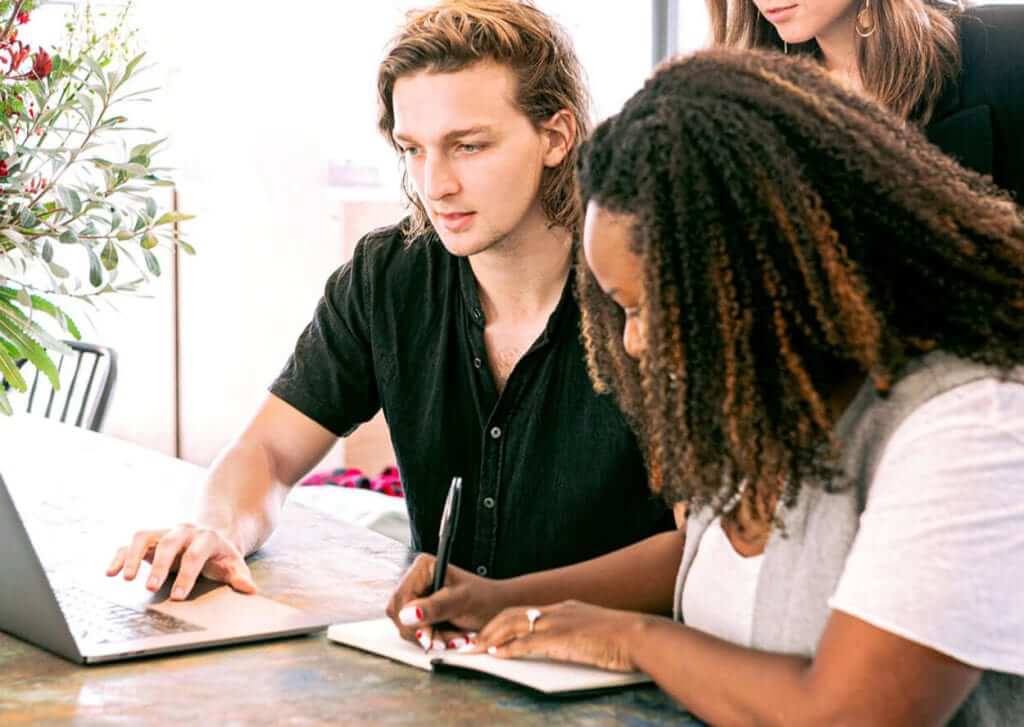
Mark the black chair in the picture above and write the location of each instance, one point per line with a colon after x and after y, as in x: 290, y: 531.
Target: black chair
x: 87, y: 377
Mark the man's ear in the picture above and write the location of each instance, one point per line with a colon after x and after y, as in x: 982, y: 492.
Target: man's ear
x: 560, y: 134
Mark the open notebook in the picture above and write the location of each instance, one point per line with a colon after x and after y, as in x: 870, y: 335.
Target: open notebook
x: 550, y: 677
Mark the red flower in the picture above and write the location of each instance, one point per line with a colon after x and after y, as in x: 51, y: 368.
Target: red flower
x: 41, y: 65
x: 22, y: 18
x: 3, y: 168
x: 18, y: 56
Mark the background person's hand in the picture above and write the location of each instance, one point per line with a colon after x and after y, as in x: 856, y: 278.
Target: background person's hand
x: 466, y: 601
x: 569, y: 631
x: 189, y: 550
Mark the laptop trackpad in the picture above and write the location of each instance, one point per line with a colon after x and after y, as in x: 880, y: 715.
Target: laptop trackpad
x: 218, y: 606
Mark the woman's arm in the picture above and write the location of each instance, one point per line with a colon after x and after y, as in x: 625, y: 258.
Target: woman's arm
x: 640, y: 577
x: 861, y: 675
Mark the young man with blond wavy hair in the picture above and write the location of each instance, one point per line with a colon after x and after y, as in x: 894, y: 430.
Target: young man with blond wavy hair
x: 460, y: 322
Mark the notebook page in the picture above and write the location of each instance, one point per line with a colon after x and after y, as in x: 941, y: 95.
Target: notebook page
x: 550, y: 677
x: 381, y: 637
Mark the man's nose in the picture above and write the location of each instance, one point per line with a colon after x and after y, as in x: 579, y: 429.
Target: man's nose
x: 439, y: 178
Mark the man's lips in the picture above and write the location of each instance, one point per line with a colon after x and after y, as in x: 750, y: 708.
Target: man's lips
x: 455, y: 221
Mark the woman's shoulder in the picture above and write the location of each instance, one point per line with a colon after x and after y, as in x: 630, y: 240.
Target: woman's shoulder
x: 992, y: 405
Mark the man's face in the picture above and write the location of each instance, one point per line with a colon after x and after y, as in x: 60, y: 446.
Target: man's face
x: 474, y: 159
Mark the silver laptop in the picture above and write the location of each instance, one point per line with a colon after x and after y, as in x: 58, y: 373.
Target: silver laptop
x: 107, y: 619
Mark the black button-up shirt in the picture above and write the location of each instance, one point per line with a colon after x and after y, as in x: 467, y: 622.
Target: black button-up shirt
x: 551, y: 472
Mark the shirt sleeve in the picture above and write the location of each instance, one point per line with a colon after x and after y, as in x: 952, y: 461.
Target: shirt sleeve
x: 330, y: 376
x: 939, y: 556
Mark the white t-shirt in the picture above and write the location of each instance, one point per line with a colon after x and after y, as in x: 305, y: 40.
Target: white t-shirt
x: 720, y: 589
x: 939, y: 555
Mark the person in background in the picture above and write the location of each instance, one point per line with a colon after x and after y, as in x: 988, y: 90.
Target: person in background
x: 814, y: 319
x: 957, y: 71
x: 460, y: 323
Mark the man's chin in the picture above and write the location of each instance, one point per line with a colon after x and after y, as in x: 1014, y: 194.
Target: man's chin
x: 464, y: 245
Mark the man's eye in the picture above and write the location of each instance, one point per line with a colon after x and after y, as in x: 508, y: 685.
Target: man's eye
x: 470, y: 148
x: 411, y: 151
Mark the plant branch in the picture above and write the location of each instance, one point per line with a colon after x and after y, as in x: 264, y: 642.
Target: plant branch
x: 14, y: 17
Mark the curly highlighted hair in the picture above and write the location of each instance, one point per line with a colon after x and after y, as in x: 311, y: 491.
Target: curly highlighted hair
x: 456, y: 34
x: 792, y: 234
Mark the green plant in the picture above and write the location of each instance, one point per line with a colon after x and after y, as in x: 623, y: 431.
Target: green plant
x: 76, y: 201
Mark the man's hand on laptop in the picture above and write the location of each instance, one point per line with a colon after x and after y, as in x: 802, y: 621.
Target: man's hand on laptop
x: 188, y: 550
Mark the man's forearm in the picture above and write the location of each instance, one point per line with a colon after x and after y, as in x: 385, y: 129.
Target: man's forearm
x: 640, y: 577
x: 243, y: 496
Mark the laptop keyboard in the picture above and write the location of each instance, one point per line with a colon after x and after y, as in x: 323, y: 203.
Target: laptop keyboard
x: 104, y: 621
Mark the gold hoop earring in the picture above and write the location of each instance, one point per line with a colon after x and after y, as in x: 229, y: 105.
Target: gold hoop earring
x: 865, y: 25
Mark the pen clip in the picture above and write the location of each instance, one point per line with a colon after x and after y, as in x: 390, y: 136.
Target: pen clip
x: 449, y: 503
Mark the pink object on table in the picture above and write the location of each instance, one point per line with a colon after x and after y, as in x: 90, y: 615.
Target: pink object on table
x: 388, y: 482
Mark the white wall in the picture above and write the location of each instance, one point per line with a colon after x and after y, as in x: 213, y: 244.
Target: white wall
x: 257, y: 99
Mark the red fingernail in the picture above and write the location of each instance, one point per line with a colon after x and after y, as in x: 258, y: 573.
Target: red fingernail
x: 419, y: 634
x: 419, y: 613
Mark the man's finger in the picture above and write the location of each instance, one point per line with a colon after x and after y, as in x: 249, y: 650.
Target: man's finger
x: 117, y: 563
x: 192, y: 562
x: 140, y: 545
x: 165, y: 556
x: 241, y: 578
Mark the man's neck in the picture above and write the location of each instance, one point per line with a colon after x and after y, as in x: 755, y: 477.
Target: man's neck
x: 523, y: 276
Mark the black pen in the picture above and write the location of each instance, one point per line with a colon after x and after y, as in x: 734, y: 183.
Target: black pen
x: 445, y: 538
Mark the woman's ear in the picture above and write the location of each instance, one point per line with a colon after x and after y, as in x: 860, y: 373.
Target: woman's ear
x: 559, y: 133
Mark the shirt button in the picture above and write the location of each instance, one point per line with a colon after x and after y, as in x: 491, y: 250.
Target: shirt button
x: 481, y: 570
x: 495, y: 432
x: 477, y: 362
x: 489, y: 503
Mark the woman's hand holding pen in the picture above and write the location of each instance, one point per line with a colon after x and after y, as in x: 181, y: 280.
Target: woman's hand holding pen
x: 466, y: 601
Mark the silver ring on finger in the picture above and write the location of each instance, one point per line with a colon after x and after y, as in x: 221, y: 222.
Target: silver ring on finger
x: 532, y: 614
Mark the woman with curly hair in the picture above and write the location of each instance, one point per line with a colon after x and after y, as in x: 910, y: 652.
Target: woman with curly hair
x: 955, y: 69
x: 815, y: 322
